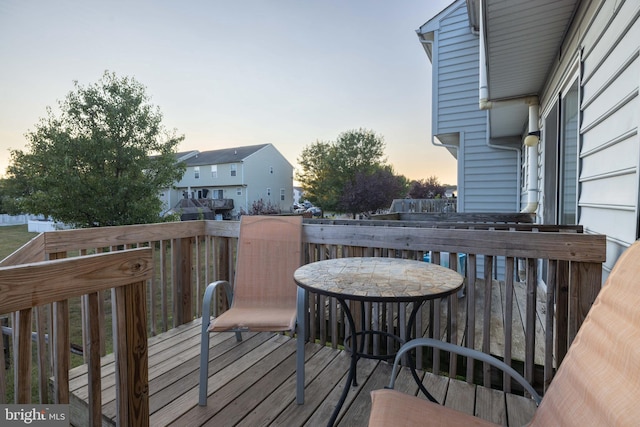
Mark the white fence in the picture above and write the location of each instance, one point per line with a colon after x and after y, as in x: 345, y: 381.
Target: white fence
x: 18, y: 219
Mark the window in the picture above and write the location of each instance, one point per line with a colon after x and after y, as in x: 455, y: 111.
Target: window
x: 561, y: 139
x: 234, y: 169
x: 550, y: 139
x: 282, y: 194
x: 239, y: 191
x: 568, y: 157
x: 217, y: 194
x: 196, y: 172
x: 214, y: 171
x: 268, y: 192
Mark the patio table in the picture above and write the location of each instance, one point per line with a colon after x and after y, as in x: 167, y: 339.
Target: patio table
x: 374, y: 279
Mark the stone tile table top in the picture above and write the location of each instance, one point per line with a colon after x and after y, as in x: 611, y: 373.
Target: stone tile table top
x: 378, y: 279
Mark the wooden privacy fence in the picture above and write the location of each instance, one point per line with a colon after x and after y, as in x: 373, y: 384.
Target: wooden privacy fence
x: 424, y: 205
x: 29, y: 289
x: 500, y: 260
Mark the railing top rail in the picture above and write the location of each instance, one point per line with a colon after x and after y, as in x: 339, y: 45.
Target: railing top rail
x: 491, y: 217
x: 450, y: 224
x: 103, y: 237
x: 518, y: 240
x: 35, y: 284
x: 32, y: 251
x: 558, y: 246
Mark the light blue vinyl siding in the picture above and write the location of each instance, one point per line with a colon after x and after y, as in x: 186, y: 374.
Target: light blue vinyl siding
x: 487, y: 177
x: 610, y: 107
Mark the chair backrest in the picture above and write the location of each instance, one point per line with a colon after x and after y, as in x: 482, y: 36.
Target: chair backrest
x: 269, y: 252
x: 598, y: 382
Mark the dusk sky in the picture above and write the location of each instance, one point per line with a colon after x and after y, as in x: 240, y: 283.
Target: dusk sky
x: 234, y: 73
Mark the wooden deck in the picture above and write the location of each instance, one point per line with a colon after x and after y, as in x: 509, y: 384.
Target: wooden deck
x: 252, y: 383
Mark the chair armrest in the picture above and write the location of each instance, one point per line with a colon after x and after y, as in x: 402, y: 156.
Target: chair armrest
x: 463, y: 351
x: 206, y: 300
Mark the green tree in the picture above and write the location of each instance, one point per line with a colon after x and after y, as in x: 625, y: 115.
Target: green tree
x: 429, y: 188
x: 327, y: 168
x: 319, y: 183
x: 372, y: 191
x: 101, y: 161
x: 4, y: 197
x: 8, y: 203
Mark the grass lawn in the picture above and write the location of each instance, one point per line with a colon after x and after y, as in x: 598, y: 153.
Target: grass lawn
x: 13, y: 237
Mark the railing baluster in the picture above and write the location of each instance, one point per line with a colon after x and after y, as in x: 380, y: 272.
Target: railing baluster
x: 61, y: 351
x: 471, y: 311
x: 322, y: 304
x: 508, y: 317
x: 43, y: 377
x: 152, y: 294
x: 375, y: 324
x: 23, y: 364
x: 92, y: 357
x: 552, y: 274
x: 452, y: 319
x: 562, y: 311
x: 196, y: 300
x: 486, y: 317
x: 452, y: 316
x: 3, y: 361
x: 530, y: 319
x: 163, y: 284
x: 389, y: 325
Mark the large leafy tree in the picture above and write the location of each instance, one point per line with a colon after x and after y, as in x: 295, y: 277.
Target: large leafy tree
x: 101, y: 161
x: 328, y: 169
x: 320, y: 184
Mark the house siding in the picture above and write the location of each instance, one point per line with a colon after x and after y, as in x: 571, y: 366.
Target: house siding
x: 605, y: 36
x: 263, y: 169
x: 257, y: 168
x: 482, y: 170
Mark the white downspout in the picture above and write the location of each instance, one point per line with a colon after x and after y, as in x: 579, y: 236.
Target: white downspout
x: 531, y: 142
x: 483, y: 88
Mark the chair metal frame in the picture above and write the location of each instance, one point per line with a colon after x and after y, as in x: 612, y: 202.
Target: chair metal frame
x: 299, y: 329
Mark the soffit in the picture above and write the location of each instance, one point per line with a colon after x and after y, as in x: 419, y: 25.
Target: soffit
x: 523, y: 41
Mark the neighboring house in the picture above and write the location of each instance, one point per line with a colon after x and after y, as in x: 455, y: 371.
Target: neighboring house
x: 242, y: 174
x: 538, y: 101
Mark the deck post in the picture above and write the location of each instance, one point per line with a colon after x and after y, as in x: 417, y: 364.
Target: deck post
x: 132, y: 356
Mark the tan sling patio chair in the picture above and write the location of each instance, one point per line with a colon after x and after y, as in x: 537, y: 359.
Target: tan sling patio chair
x: 264, y: 297
x: 597, y: 384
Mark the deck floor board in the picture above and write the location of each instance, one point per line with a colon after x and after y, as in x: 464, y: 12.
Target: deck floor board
x: 253, y: 383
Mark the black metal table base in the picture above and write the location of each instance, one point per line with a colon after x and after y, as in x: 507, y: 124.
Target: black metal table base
x: 357, y: 352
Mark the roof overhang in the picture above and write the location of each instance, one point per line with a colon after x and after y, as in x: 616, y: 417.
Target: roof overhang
x: 523, y: 41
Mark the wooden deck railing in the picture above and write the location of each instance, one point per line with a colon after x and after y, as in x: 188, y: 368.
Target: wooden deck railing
x: 188, y: 255
x: 29, y: 288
